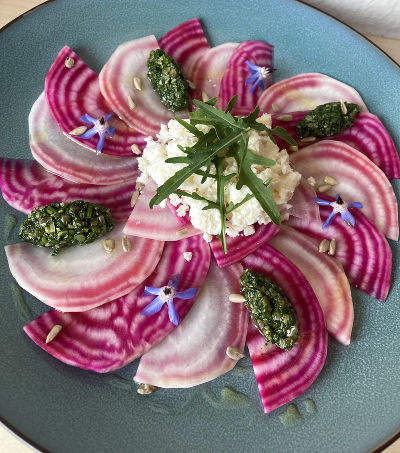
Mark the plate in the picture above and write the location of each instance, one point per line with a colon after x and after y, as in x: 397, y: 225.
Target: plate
x: 62, y: 409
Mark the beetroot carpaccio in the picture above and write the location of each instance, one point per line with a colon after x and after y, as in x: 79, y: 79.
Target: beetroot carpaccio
x: 162, y: 285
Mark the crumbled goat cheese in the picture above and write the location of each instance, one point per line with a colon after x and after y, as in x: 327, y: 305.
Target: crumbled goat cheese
x: 187, y: 256
x: 284, y: 179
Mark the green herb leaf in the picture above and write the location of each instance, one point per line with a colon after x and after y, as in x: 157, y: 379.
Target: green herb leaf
x: 193, y: 129
x: 231, y: 104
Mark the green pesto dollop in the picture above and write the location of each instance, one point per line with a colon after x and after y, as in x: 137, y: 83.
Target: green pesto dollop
x: 59, y: 225
x: 327, y: 120
x: 270, y: 309
x: 167, y: 80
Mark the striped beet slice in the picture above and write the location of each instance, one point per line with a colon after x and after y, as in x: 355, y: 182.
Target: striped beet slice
x: 302, y: 202
x: 67, y: 159
x: 110, y: 336
x: 233, y: 82
x: 326, y: 277
x: 185, y: 43
x: 284, y: 375
x: 25, y: 184
x: 368, y: 135
x: 73, y: 92
x: 359, y: 180
x: 241, y: 246
x: 194, y: 353
x: 156, y: 223
x: 305, y: 92
x: 129, y: 61
x: 363, y: 251
x: 81, y: 278
x: 207, y: 71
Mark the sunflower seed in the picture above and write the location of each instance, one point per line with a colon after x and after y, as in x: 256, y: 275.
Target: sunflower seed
x: 332, y: 247
x: 69, y: 62
x: 188, y: 256
x: 131, y: 103
x: 293, y: 148
x: 137, y: 83
x: 126, y: 244
x: 234, y: 353
x: 237, y: 298
x: 308, y: 140
x: 331, y: 181
x: 78, y: 130
x: 146, y: 389
x: 275, y: 107
x: 284, y: 118
x: 135, y: 149
x: 134, y: 198
x: 109, y: 245
x: 55, y: 330
x: 192, y: 86
x: 204, y: 96
x: 343, y: 107
x: 324, y: 188
x: 323, y: 246
x: 182, y: 232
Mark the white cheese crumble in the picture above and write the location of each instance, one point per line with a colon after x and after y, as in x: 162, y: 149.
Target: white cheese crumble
x: 284, y: 180
x: 188, y: 256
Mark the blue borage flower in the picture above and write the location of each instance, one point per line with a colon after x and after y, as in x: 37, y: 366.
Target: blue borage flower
x: 167, y: 294
x: 339, y: 206
x: 99, y: 127
x: 258, y: 75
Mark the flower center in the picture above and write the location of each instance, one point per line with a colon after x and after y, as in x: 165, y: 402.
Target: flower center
x: 340, y: 207
x: 101, y: 125
x: 167, y: 293
x: 265, y: 72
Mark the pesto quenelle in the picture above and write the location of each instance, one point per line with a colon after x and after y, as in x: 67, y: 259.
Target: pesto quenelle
x: 270, y: 309
x: 59, y: 225
x: 167, y: 80
x: 327, y: 120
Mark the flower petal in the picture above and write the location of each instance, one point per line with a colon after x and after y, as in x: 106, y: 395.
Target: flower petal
x: 355, y: 204
x: 111, y: 131
x: 252, y: 66
x: 187, y: 294
x: 328, y: 221
x: 100, y: 143
x: 251, y: 79
x: 174, y: 282
x: 153, y: 307
x: 322, y: 202
x: 151, y: 291
x: 173, y: 315
x: 347, y: 217
x: 109, y: 116
x: 89, y: 133
x: 87, y: 119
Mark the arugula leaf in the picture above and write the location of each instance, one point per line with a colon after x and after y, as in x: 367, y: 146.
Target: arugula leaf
x: 231, y: 104
x: 232, y: 206
x: 189, y: 127
x: 216, y: 115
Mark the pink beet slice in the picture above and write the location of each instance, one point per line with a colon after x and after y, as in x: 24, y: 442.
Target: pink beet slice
x: 63, y: 157
x: 129, y: 61
x: 81, y: 278
x: 303, y: 204
x: 359, y: 180
x: 185, y: 43
x: 284, y: 375
x: 157, y: 223
x: 73, y: 92
x: 326, y: 277
x: 234, y: 79
x: 363, y: 251
x: 195, y: 352
x: 25, y: 185
x: 110, y: 336
x: 241, y: 246
x: 305, y: 92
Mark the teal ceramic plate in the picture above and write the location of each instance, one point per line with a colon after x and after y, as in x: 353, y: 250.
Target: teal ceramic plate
x: 62, y: 409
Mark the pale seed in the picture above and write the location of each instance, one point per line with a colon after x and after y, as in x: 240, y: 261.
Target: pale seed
x: 234, y: 353
x: 126, y: 244
x: 146, y: 389
x: 275, y: 107
x: 308, y: 140
x: 182, y: 232
x: 343, y: 107
x: 134, y: 198
x: 78, y: 130
x: 109, y: 245
x: 131, y: 103
x: 139, y: 186
x: 332, y: 247
x: 188, y: 256
x: 324, y: 188
x: 204, y: 96
x: 135, y: 149
x: 69, y: 62
x: 331, y: 181
x: 323, y: 246
x: 285, y: 118
x: 137, y: 83
x: 53, y: 333
x: 237, y: 298
x: 293, y: 148
x: 191, y: 85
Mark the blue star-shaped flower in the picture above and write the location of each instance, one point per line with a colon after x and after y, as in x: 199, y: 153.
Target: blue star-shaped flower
x: 167, y: 294
x: 339, y: 206
x: 99, y: 127
x: 258, y: 75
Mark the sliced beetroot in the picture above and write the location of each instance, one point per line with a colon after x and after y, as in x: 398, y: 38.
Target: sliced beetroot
x: 73, y: 92
x: 157, y: 223
x: 185, y: 43
x: 196, y: 351
x: 305, y: 92
x: 63, y: 157
x: 363, y: 251
x: 129, y: 61
x: 358, y: 180
x: 234, y: 79
x: 208, y: 69
x: 84, y: 277
x: 110, y: 336
x: 284, y: 375
x: 25, y: 185
x: 241, y: 246
x: 326, y: 277
x: 303, y: 204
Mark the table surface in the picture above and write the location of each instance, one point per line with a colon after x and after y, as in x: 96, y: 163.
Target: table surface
x: 9, y: 10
